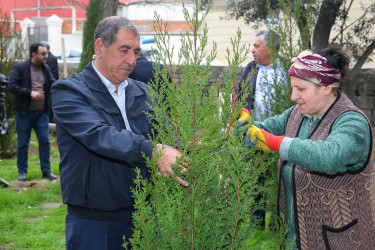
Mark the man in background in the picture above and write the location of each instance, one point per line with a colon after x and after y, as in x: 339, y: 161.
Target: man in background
x: 30, y: 82
x: 52, y: 63
x: 266, y: 67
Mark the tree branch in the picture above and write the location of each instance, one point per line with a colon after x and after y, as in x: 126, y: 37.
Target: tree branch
x: 327, y: 18
x: 362, y: 59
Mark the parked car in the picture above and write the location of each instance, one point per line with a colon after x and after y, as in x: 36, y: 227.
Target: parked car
x: 72, y: 55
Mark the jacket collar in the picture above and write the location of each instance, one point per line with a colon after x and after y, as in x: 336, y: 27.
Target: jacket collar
x: 94, y: 82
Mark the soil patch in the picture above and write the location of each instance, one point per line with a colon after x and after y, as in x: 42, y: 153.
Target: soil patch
x: 50, y: 204
x: 20, y: 186
x: 4, y: 246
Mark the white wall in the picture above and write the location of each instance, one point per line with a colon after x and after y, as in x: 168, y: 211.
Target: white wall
x: 145, y: 12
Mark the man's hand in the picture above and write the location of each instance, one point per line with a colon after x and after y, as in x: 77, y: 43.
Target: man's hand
x: 168, y: 157
x: 36, y: 95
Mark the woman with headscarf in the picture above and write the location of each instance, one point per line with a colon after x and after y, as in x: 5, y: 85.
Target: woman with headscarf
x: 326, y: 165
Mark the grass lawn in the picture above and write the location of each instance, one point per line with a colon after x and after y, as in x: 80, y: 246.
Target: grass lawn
x: 32, y: 215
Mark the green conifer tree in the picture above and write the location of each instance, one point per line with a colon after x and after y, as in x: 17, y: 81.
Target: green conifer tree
x: 215, y: 211
x: 94, y: 15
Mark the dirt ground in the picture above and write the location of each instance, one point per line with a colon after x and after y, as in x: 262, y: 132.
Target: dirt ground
x: 20, y: 186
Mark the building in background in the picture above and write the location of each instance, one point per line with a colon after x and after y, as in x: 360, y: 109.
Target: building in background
x: 57, y: 21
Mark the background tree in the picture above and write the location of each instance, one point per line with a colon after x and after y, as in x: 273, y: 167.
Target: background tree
x: 96, y: 11
x: 330, y: 16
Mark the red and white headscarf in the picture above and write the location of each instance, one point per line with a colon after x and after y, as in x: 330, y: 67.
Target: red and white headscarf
x: 314, y: 68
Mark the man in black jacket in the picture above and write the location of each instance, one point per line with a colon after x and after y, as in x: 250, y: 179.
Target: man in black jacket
x: 30, y: 82
x: 103, y: 135
x: 52, y: 62
x: 264, y: 69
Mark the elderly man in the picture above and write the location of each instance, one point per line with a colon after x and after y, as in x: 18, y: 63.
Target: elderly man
x: 30, y: 82
x: 266, y: 67
x: 102, y: 135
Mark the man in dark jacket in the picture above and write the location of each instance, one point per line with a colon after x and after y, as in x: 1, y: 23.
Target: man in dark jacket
x: 144, y: 69
x: 262, y: 70
x: 30, y: 82
x: 52, y: 62
x: 102, y: 135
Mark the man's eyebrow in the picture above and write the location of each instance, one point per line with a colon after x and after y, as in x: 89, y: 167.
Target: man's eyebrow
x: 125, y: 46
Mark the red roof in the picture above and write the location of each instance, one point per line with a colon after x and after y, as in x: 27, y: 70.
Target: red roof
x: 8, y: 5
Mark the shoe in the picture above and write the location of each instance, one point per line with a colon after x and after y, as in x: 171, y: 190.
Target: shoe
x: 21, y: 177
x: 49, y: 176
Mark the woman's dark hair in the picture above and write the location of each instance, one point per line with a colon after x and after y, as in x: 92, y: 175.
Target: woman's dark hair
x: 337, y: 57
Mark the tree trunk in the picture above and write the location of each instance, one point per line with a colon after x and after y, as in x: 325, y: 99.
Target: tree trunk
x: 110, y: 8
x: 357, y: 67
x: 327, y: 17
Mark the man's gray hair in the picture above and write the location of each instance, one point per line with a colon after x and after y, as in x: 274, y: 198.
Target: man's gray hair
x: 108, y: 28
x: 270, y: 36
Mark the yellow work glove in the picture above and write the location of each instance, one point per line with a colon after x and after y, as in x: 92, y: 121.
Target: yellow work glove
x: 243, y: 118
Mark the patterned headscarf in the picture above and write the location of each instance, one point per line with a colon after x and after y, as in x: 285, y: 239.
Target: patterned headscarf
x: 314, y: 68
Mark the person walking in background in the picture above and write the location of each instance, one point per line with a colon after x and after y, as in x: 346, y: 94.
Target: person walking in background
x: 3, y: 111
x: 52, y: 62
x: 267, y: 68
x: 102, y: 134
x: 30, y: 83
x: 326, y: 165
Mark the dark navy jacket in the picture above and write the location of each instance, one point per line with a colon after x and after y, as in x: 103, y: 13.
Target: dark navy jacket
x: 252, y: 83
x: 144, y: 71
x: 53, y: 64
x: 20, y: 85
x: 98, y: 155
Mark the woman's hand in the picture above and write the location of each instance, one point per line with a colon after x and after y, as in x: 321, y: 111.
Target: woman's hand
x: 256, y: 137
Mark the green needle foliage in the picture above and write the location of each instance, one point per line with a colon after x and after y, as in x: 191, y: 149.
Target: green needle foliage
x: 215, y: 210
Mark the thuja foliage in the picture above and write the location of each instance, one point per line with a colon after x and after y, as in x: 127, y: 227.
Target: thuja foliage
x: 216, y: 210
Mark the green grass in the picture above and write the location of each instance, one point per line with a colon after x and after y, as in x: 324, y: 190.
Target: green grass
x: 25, y: 220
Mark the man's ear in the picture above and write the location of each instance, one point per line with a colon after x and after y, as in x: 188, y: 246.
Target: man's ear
x: 98, y: 46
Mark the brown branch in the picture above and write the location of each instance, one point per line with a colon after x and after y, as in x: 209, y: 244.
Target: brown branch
x: 362, y: 59
x: 238, y: 204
